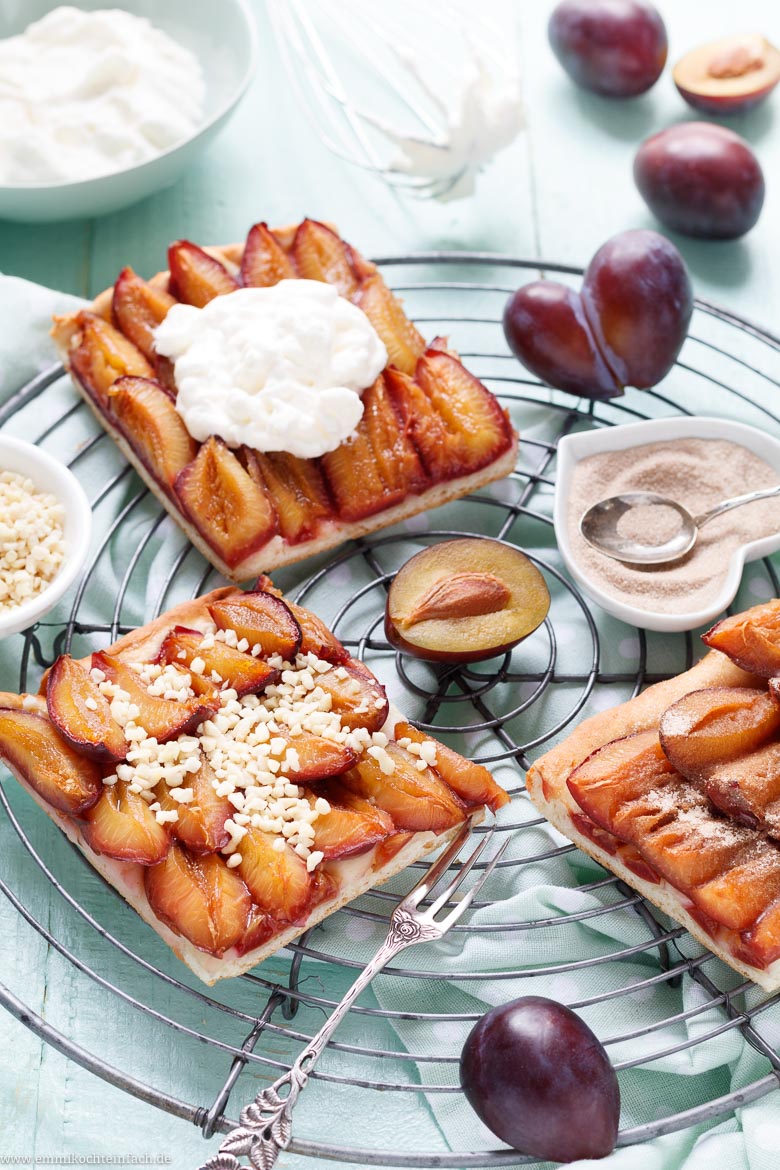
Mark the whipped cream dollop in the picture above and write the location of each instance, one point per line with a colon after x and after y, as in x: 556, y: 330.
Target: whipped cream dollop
x: 279, y: 368
x: 87, y: 93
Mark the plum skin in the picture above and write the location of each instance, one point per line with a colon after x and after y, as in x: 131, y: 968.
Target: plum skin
x: 700, y: 179
x: 625, y: 328
x: 615, y: 48
x: 537, y: 1076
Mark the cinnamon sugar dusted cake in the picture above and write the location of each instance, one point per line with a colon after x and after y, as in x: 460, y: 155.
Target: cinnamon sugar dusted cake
x: 678, y: 792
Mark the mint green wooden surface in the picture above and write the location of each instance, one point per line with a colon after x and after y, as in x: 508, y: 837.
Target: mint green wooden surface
x: 558, y: 193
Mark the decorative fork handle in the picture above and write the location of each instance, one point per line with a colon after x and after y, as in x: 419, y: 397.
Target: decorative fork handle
x: 266, y: 1123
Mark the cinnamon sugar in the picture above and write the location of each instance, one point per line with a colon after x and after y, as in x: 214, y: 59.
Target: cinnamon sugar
x: 697, y: 473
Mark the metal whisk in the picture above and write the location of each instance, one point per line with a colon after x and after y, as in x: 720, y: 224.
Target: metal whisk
x: 421, y: 76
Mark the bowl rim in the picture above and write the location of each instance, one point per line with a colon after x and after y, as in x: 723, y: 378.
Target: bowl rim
x: 573, y: 448
x: 72, y: 496
x: 74, y: 184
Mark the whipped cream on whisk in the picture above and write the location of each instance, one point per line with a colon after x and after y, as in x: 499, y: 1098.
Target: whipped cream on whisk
x: 482, y: 119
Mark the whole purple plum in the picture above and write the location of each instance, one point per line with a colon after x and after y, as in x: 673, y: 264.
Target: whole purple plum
x: 537, y: 1076
x: 701, y: 179
x: 616, y: 48
x: 624, y: 328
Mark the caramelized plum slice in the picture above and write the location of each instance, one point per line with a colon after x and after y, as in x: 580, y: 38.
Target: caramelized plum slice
x: 62, y: 777
x: 465, y: 600
x: 81, y: 714
x: 138, y: 308
x: 416, y: 800
x: 122, y: 825
x: 470, y: 781
x: 619, y: 772
x: 351, y: 827
x: 728, y: 76
x: 278, y: 880
x: 201, y: 821
x: 316, y: 637
x: 743, y: 891
x: 102, y: 354
x: 231, y: 510
x: 761, y: 944
x: 356, y: 696
x: 479, y: 431
x: 750, y: 639
x: 197, y: 277
x: 694, y: 846
x: 237, y: 670
x: 320, y: 254
x: 315, y: 758
x: 355, y: 480
x: 260, y: 928
x: 264, y: 261
x: 298, y: 492
x: 261, y: 618
x: 200, y: 899
x: 403, y: 342
x: 148, y: 419
x: 748, y: 788
x: 712, y: 726
x: 161, y: 719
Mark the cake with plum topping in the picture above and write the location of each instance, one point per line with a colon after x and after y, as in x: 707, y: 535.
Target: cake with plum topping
x: 678, y: 792
x: 428, y: 432
x: 235, y: 774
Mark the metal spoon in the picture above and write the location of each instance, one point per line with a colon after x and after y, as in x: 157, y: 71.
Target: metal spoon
x: 599, y: 526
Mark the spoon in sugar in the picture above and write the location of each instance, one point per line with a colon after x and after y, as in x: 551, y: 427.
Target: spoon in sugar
x: 600, y: 526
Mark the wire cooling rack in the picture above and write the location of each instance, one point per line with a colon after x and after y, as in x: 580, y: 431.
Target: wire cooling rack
x: 232, y: 1038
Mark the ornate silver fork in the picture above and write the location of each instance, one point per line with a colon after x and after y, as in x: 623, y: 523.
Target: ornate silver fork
x: 266, y: 1123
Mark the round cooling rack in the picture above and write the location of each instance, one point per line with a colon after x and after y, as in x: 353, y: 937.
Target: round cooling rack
x: 658, y: 1000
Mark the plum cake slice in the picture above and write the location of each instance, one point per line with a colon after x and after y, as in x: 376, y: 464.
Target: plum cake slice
x: 678, y: 792
x: 235, y: 774
x: 429, y: 431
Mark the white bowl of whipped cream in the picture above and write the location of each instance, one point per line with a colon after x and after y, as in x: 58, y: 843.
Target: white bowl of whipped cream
x: 101, y: 106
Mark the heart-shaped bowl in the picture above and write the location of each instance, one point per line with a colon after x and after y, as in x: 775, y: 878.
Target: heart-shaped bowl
x: 573, y: 448
x: 48, y: 475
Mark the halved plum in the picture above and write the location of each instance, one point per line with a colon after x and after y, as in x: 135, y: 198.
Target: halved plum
x: 201, y: 822
x: 619, y: 772
x: 278, y: 880
x: 231, y: 510
x: 739, y: 895
x: 264, y: 261
x: 320, y: 254
x: 161, y: 719
x: 101, y: 354
x: 750, y: 639
x: 315, y: 757
x: 351, y: 827
x: 297, y: 490
x: 122, y: 825
x: 472, y: 782
x: 196, y: 276
x: 728, y: 76
x: 416, y: 800
x: 711, y: 726
x: 81, y: 713
x: 240, y: 671
x: 148, y: 419
x: 356, y: 696
x: 748, y: 788
x: 200, y: 899
x: 137, y: 308
x: 263, y: 619
x: 61, y: 776
x: 403, y: 341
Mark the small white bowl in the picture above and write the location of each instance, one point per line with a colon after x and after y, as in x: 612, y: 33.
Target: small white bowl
x: 221, y: 34
x: 48, y: 475
x: 573, y: 448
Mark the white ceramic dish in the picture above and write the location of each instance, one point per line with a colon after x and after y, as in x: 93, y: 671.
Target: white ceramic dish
x: 572, y: 448
x: 48, y: 475
x: 222, y: 35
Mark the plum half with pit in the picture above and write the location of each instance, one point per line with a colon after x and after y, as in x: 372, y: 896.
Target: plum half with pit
x: 539, y: 1078
x: 728, y: 76
x: 701, y: 179
x: 464, y: 601
x: 624, y: 328
x: 615, y: 48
